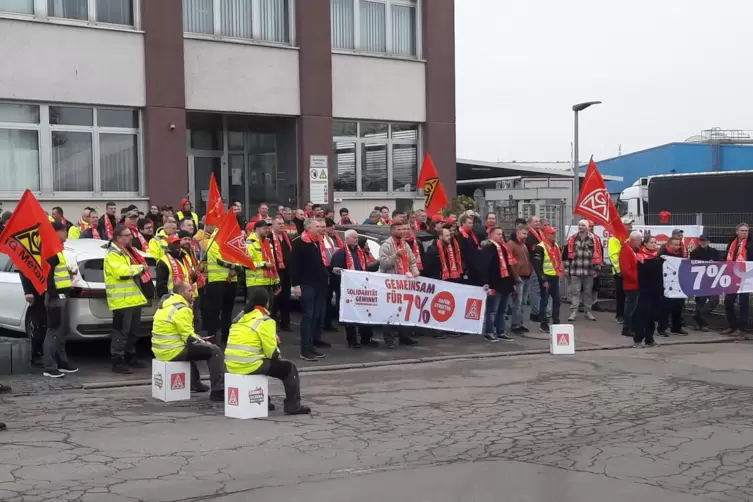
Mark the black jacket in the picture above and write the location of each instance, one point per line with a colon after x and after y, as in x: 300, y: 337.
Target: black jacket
x: 651, y: 276
x: 432, y: 264
x: 471, y: 257
x: 490, y: 269
x: 705, y: 254
x: 286, y: 250
x: 306, y: 266
x: 29, y: 288
x: 531, y: 243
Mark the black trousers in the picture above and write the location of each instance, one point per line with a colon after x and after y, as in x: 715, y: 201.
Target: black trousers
x: 37, y: 314
x: 644, y: 321
x: 287, y: 372
x: 201, y: 351
x: 620, y: 296
x: 671, y: 308
x: 703, y: 307
x: 220, y: 298
x: 332, y: 313
x: 630, y: 323
x: 282, y: 301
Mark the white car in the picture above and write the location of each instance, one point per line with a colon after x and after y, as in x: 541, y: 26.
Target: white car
x: 90, y: 318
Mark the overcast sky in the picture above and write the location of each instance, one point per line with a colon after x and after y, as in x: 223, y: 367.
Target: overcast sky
x: 665, y: 70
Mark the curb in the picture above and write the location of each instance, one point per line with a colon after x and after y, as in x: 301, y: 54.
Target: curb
x: 423, y: 360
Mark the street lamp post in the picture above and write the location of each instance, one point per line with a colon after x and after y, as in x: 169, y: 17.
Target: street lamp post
x: 576, y: 160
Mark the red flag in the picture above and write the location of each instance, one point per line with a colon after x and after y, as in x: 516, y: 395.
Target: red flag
x: 29, y: 240
x: 215, y: 207
x: 435, y: 198
x: 595, y: 203
x: 233, y: 244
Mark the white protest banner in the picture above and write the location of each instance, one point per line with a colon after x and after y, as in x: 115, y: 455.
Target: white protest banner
x: 691, y: 234
x: 689, y: 278
x: 373, y: 298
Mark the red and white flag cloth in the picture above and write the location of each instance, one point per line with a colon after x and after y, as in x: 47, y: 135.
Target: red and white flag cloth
x: 595, y: 204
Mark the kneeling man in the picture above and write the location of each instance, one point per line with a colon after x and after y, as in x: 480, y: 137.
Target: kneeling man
x: 174, y: 339
x: 252, y: 349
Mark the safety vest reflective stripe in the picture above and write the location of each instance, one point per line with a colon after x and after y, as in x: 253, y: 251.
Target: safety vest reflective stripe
x: 243, y: 359
x: 167, y: 337
x: 247, y: 348
x: 175, y: 308
x: 120, y: 286
x: 60, y: 274
x: 217, y: 269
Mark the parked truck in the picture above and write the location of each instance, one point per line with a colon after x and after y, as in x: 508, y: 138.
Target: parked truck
x: 716, y: 200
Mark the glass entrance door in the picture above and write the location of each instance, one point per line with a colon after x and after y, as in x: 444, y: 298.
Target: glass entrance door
x: 200, y: 169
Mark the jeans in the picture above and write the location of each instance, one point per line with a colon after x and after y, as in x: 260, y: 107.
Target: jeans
x: 495, y: 315
x: 124, y: 324
x: 535, y: 288
x: 703, y: 307
x: 522, y: 290
x: 729, y: 306
x: 629, y: 325
x: 581, y: 287
x: 57, y: 329
x: 552, y: 288
x: 197, y: 350
x: 620, y: 296
x: 312, y: 307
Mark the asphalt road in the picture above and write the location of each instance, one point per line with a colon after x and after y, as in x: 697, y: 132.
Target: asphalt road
x: 665, y: 424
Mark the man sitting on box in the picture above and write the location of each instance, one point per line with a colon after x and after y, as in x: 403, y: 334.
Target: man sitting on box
x: 174, y: 339
x: 252, y: 349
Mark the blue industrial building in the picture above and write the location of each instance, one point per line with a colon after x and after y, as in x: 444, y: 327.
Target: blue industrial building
x: 676, y: 158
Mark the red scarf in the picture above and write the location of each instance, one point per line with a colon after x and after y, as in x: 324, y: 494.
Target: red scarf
x: 108, y: 227
x: 369, y: 258
x: 742, y: 251
x: 646, y: 254
x: 385, y: 221
x: 178, y: 270
x: 419, y: 263
x: 598, y: 251
x: 193, y: 265
x: 470, y: 235
x: 137, y: 259
x: 346, y: 221
x: 489, y: 230
x: 308, y: 239
x: 455, y: 266
x: 503, y: 272
x: 416, y: 225
x: 349, y: 259
x: 402, y: 263
x: 278, y: 248
x: 95, y: 233
x: 556, y: 257
x: 536, y: 234
x: 135, y: 233
x: 266, y: 252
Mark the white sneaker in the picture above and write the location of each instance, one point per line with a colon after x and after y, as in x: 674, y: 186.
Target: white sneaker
x: 572, y: 316
x: 590, y: 316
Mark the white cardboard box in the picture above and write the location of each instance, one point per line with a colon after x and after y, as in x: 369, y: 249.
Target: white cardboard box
x: 171, y: 380
x: 246, y: 396
x: 561, y: 339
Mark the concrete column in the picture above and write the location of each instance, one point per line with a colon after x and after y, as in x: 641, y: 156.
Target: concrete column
x: 165, y: 114
x: 439, y: 52
x: 313, y: 35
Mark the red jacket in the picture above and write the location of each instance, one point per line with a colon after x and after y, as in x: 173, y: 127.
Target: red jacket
x: 629, y: 268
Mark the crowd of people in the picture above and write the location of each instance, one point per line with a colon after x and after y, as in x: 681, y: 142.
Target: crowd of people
x: 300, y: 251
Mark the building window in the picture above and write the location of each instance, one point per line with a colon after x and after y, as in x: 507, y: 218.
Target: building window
x: 54, y: 149
x: 119, y: 12
x: 265, y: 20
x: 17, y: 6
x: 378, y: 26
x: 375, y: 157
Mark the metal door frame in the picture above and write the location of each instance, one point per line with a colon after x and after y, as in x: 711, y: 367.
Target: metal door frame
x: 213, y: 154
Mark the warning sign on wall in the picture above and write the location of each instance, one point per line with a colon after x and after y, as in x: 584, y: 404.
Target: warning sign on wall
x: 319, y: 179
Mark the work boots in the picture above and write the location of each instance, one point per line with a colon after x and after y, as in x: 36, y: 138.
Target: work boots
x: 120, y: 366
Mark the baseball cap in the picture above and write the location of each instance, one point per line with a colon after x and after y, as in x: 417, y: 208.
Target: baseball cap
x: 166, y: 207
x: 677, y: 231
x: 704, y: 237
x: 261, y: 223
x: 437, y: 218
x: 132, y: 214
x: 451, y: 220
x: 173, y: 238
x: 550, y: 230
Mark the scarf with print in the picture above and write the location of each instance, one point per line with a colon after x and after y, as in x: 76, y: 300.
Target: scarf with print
x: 742, y: 250
x: 470, y: 235
x: 598, y: 251
x: 109, y: 232
x: 177, y: 268
x: 137, y: 235
x: 350, y: 264
x: 402, y: 262
x: 269, y: 257
x: 555, y: 255
x: 419, y: 263
x: 278, y: 238
x: 449, y: 257
x: 503, y: 272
